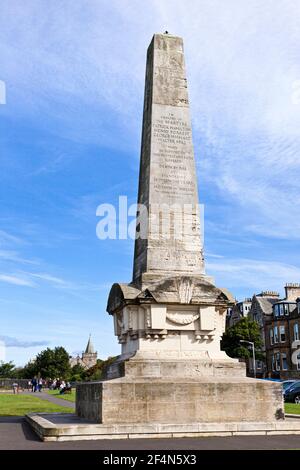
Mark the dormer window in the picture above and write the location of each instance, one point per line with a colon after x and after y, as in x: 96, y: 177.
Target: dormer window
x: 286, y: 309
x: 282, y: 309
x: 277, y: 310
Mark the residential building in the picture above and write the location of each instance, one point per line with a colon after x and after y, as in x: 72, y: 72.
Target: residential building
x: 261, y: 309
x: 239, y: 310
x: 282, y: 339
x: 279, y: 321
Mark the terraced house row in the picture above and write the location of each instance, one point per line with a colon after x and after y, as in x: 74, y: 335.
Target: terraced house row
x: 279, y: 321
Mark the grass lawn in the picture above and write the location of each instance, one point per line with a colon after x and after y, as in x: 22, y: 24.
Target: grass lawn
x: 69, y: 396
x: 19, y: 405
x: 292, y: 408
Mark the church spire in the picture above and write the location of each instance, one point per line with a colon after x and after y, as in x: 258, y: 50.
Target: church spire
x: 89, y: 348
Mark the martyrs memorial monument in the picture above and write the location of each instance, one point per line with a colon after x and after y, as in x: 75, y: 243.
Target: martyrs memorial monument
x: 170, y: 318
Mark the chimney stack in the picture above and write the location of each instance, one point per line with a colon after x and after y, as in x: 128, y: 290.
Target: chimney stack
x: 292, y: 291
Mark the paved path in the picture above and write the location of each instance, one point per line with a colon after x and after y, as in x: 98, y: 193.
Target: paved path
x: 51, y: 398
x: 16, y: 434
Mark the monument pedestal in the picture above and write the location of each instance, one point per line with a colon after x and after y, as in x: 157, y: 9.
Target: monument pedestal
x: 171, y: 370
x: 179, y: 401
x: 144, y: 366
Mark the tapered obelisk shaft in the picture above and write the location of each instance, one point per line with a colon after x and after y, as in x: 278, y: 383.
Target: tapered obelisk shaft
x: 167, y: 170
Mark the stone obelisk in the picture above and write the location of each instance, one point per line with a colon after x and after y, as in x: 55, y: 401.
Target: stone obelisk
x: 167, y: 183
x: 170, y: 318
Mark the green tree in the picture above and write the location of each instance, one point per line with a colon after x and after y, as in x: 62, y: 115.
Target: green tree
x: 7, y: 369
x: 97, y: 372
x: 50, y: 363
x: 28, y: 371
x: 77, y: 373
x: 247, y: 330
x: 18, y: 373
x: 94, y: 372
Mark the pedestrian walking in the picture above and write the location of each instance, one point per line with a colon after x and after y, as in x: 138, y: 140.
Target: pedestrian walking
x: 34, y: 384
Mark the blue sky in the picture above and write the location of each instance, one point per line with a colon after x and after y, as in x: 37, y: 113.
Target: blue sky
x: 70, y: 140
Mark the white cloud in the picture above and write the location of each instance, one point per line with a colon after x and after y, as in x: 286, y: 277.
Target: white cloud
x: 50, y: 278
x: 8, y: 238
x: 30, y: 279
x: 11, y: 342
x: 2, y: 92
x: 16, y: 280
x: 8, y: 255
x: 212, y: 255
x: 256, y: 275
x: 74, y: 287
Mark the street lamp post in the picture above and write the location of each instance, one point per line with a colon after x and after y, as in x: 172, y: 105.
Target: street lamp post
x: 253, y: 353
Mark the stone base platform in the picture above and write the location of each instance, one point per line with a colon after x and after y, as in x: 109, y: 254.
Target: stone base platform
x: 179, y: 400
x: 68, y: 427
x: 178, y: 367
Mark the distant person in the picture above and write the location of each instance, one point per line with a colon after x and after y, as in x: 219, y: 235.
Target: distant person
x: 29, y: 385
x: 66, y: 388
x: 40, y: 384
x: 15, y: 387
x: 34, y: 384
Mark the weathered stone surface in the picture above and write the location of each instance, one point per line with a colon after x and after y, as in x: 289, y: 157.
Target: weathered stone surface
x: 167, y: 169
x: 182, y: 315
x: 178, y: 401
x: 66, y: 427
x: 89, y: 400
x: 175, y: 367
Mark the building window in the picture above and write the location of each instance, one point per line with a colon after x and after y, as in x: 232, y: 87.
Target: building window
x: 281, y: 309
x: 277, y: 361
x: 282, y: 333
x: 284, y: 361
x: 271, y: 336
x: 276, y: 310
x: 296, y: 332
x: 286, y: 309
x: 273, y: 362
x: 276, y: 334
